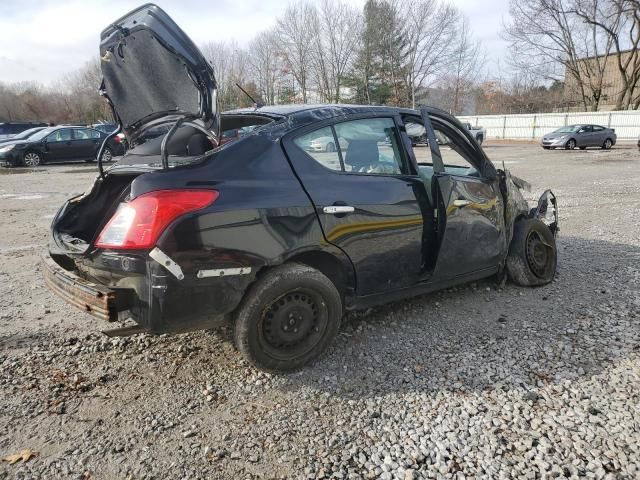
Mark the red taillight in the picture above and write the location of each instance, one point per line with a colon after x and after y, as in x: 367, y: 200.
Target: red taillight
x: 138, y: 223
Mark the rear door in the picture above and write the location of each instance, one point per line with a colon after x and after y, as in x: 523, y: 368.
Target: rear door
x: 85, y: 142
x: 599, y: 135
x: 368, y: 201
x: 470, y: 209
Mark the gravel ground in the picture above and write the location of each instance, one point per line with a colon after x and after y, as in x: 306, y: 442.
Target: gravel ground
x: 476, y: 381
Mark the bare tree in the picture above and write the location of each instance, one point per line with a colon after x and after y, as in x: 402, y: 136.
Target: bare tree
x: 464, y: 70
x: 336, y: 32
x: 619, y: 22
x: 265, y: 64
x: 430, y: 30
x: 295, y: 35
x: 545, y: 35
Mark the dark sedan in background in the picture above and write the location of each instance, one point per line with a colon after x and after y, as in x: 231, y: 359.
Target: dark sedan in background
x: 10, y: 129
x: 57, y: 144
x: 581, y: 136
x: 22, y: 136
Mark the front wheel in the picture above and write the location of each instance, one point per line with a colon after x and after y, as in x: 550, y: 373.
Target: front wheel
x: 479, y: 139
x: 570, y: 145
x: 533, y: 256
x: 31, y: 159
x: 607, y: 144
x: 330, y: 148
x: 287, y: 318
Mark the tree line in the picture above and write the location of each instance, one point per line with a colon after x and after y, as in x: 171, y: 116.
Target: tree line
x: 394, y: 52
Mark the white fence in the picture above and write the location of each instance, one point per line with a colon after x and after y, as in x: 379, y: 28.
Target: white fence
x: 534, y: 126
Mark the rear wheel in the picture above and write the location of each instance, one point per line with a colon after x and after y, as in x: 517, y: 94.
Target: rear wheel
x: 570, y: 145
x: 31, y: 159
x: 330, y: 147
x: 532, y: 255
x: 287, y: 318
x: 479, y: 139
x: 607, y: 144
x: 107, y: 155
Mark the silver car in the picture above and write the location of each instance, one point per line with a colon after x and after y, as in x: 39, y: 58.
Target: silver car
x: 581, y: 136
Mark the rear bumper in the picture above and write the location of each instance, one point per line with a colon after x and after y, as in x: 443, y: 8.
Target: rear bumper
x: 97, y: 300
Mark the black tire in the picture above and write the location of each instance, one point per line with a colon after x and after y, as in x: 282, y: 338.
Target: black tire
x: 583, y: 148
x: 32, y: 159
x: 533, y: 256
x: 330, y: 147
x: 287, y: 318
x: 608, y: 143
x: 479, y: 139
x: 570, y: 145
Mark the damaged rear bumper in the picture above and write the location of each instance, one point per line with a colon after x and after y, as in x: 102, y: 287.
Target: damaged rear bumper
x: 97, y: 300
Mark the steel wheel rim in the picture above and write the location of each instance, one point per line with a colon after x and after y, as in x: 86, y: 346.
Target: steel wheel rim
x: 607, y: 144
x: 538, y: 254
x: 31, y: 160
x: 293, y: 324
x: 571, y: 144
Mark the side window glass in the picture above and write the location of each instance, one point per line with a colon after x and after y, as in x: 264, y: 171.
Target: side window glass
x: 454, y: 158
x: 86, y: 133
x: 597, y: 128
x: 60, y: 135
x: 321, y: 146
x: 369, y: 146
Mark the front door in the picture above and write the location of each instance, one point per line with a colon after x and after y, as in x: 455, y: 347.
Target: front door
x: 470, y: 209
x: 369, y: 202
x: 60, y: 145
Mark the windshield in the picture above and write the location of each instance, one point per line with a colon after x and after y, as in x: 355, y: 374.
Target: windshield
x: 41, y: 134
x: 26, y: 133
x: 569, y: 129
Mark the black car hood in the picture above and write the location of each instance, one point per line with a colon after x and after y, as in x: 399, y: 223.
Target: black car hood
x: 6, y: 143
x: 153, y: 71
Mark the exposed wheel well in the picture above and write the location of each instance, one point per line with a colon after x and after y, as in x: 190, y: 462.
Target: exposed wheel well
x: 332, y: 267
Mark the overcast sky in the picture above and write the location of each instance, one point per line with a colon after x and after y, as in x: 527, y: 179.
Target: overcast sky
x: 44, y: 39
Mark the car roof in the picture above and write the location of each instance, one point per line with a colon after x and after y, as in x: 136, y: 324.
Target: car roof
x: 304, y: 114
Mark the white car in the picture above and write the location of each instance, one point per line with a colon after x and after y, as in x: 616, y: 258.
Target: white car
x: 326, y: 144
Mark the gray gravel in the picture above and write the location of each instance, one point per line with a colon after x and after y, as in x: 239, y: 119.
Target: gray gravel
x: 477, y: 381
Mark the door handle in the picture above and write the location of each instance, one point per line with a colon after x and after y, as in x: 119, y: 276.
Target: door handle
x: 461, y: 202
x: 336, y: 209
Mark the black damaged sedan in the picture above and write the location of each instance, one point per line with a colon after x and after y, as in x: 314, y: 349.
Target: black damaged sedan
x: 267, y: 232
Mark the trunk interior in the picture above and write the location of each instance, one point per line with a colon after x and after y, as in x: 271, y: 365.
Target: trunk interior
x: 83, y: 218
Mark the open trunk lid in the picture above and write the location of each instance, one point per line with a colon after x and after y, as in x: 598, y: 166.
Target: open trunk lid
x: 153, y: 73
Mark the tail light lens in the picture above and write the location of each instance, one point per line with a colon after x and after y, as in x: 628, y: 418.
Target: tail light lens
x: 138, y: 223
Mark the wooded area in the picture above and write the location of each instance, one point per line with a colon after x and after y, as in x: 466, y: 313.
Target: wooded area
x: 396, y: 52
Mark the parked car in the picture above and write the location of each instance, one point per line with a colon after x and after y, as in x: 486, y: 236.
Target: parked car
x: 479, y: 133
x: 9, y: 129
x: 55, y: 144
x: 22, y: 135
x: 268, y: 235
x: 325, y: 144
x: 581, y: 136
